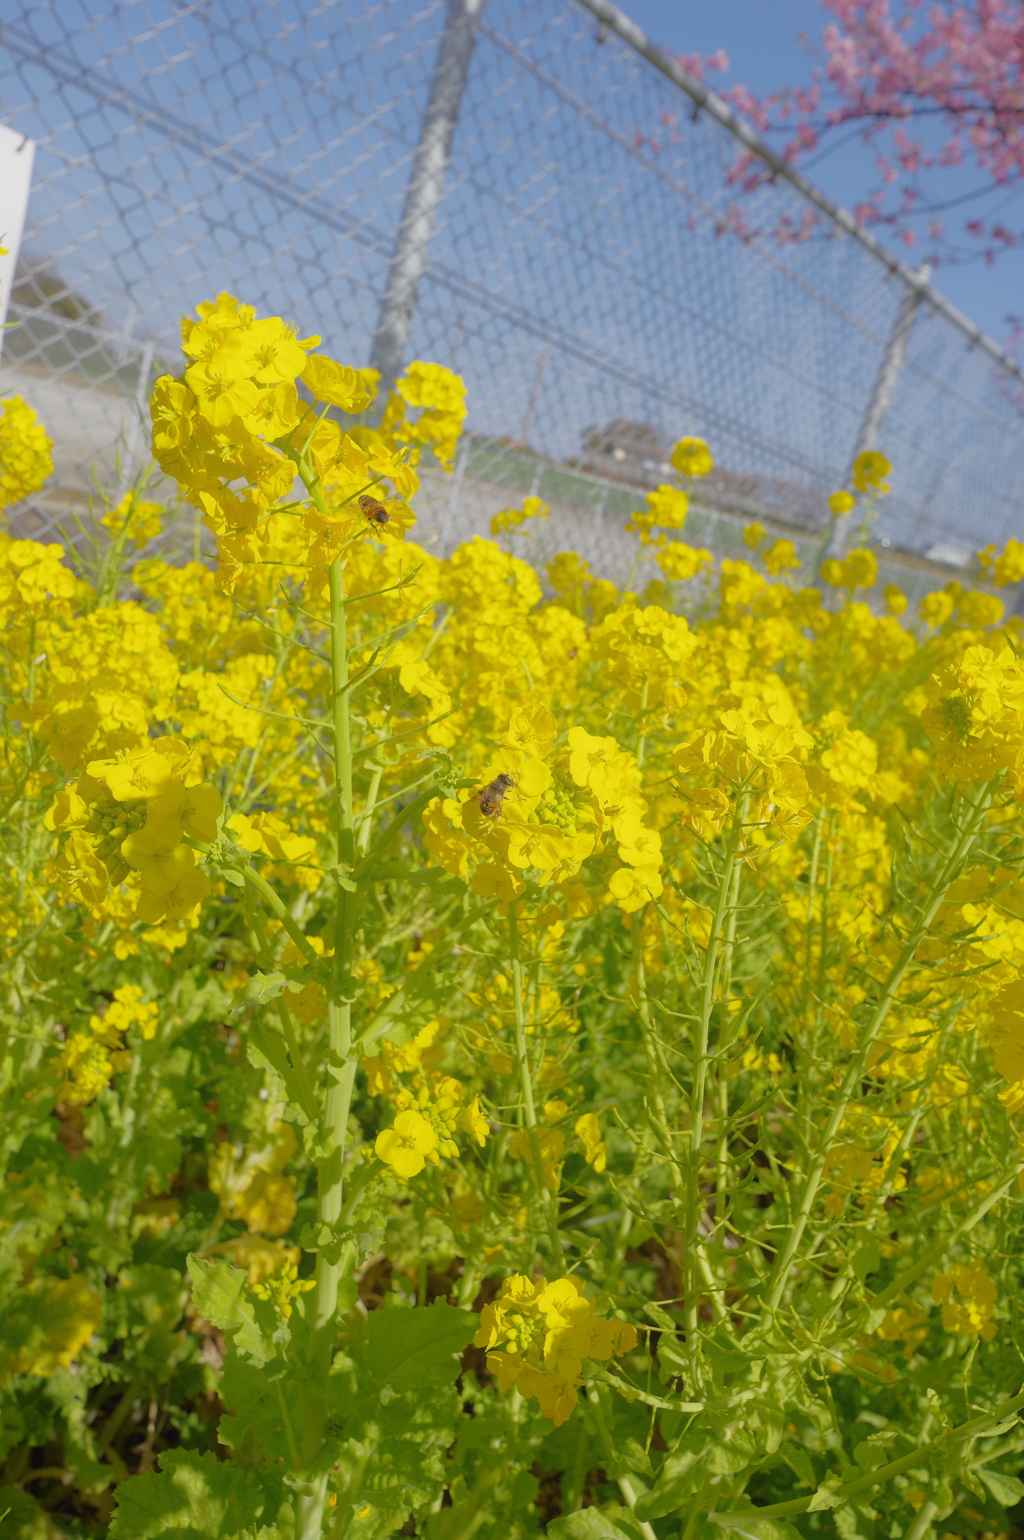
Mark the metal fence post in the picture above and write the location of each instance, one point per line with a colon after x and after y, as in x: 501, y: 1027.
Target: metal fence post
x: 881, y: 394
x: 425, y: 190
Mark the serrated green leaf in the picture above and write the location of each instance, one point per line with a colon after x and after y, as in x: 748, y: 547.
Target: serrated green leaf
x: 191, y: 1495
x: 263, y: 1414
x: 414, y: 1350
x: 873, y: 1451
x: 219, y: 1294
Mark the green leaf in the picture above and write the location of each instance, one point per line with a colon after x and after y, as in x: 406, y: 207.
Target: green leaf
x: 866, y: 1259
x: 680, y: 1477
x: 262, y: 1411
x: 799, y: 1462
x: 661, y: 1318
x: 266, y: 1049
x: 1006, y: 1490
x: 763, y: 1529
x: 873, y: 1451
x: 826, y: 1496
x: 415, y: 1350
x: 21, y: 1517
x: 592, y: 1524
x: 855, y: 1522
x: 192, y: 1495
x: 219, y: 1294
x: 635, y: 1456
x: 727, y: 1457
x: 366, y: 1234
x: 257, y: 990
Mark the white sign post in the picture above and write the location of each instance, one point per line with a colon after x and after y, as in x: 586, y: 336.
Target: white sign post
x: 16, y: 155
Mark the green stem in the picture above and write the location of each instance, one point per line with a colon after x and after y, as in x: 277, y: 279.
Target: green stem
x: 366, y: 820
x: 709, y: 976
x: 858, y: 1061
x: 625, y: 1485
x: 341, y: 1066
x: 265, y: 956
x: 928, y: 1511
x: 724, y: 1039
x: 526, y: 1086
x: 812, y: 890
x: 277, y: 909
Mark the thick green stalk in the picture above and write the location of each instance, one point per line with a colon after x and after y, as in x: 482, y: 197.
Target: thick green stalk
x: 709, y: 977
x: 812, y: 890
x: 526, y: 1087
x: 626, y: 1487
x: 341, y: 1067
x: 858, y: 1061
x: 724, y: 1039
x: 928, y: 1511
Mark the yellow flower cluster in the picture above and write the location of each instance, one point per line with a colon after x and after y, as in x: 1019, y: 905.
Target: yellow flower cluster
x: 868, y: 474
x: 63, y: 1314
x: 858, y: 570
x: 135, y: 519
x: 969, y: 1310
x: 510, y: 521
x: 537, y: 1336
x: 1003, y: 567
x: 757, y: 755
x: 283, y: 1287
x: 233, y: 430
x: 440, y: 397
x: 426, y: 1124
x: 554, y: 807
x: 131, y: 814
x: 250, y: 1182
x: 88, y: 1059
x: 26, y: 458
x: 666, y: 509
x: 975, y: 715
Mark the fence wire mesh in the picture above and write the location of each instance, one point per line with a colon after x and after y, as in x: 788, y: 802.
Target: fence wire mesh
x: 583, y: 275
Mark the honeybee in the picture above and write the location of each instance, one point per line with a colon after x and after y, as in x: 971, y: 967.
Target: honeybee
x: 375, y: 512
x: 493, y: 796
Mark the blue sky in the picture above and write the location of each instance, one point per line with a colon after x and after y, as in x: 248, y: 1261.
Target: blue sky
x: 762, y: 39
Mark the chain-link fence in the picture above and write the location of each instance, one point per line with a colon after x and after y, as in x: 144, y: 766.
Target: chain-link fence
x: 586, y: 274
